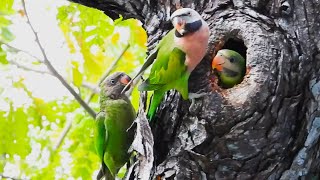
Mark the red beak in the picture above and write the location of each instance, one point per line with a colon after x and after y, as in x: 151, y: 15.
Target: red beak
x: 125, y: 79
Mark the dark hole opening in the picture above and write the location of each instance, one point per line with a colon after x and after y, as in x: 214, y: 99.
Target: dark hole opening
x: 284, y: 8
x: 236, y: 45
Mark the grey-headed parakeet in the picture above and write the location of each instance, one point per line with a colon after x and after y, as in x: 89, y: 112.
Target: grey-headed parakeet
x: 230, y: 67
x: 112, y: 138
x: 176, y: 56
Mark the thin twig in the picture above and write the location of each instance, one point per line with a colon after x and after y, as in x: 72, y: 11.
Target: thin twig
x: 63, y: 134
x: 114, y: 63
x: 8, y: 177
x: 90, y: 86
x: 108, y: 71
x: 27, y: 68
x: 21, y: 50
x: 53, y: 70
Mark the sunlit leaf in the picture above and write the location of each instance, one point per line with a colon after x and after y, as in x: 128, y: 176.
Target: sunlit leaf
x: 5, y: 6
x: 3, y: 56
x: 115, y: 38
x: 118, y: 20
x: 128, y: 55
x: 76, y: 74
x: 138, y: 35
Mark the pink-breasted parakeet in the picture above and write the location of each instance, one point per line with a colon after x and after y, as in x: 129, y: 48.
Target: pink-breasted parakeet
x: 230, y: 67
x: 175, y: 57
x: 112, y: 138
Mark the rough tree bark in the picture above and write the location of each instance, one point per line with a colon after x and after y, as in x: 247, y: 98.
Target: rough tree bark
x: 267, y: 127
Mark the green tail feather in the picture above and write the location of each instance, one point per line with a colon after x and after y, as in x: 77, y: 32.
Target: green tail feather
x: 146, y: 86
x: 155, y: 102
x: 104, y: 173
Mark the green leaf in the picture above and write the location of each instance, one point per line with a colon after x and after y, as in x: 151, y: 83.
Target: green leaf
x: 137, y: 34
x: 6, y: 34
x: 118, y: 20
x: 76, y: 74
x: 5, y: 6
x: 3, y: 56
x: 4, y: 22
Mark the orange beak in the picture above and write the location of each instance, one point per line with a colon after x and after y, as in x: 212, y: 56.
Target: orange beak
x: 217, y: 62
x: 125, y: 79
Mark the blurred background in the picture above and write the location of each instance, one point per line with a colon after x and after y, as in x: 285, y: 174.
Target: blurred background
x: 44, y: 131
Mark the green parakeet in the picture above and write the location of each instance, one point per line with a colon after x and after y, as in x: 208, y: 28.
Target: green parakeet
x: 230, y: 66
x: 175, y: 57
x: 112, y: 138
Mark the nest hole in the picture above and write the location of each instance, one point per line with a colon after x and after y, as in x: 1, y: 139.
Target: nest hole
x: 236, y: 45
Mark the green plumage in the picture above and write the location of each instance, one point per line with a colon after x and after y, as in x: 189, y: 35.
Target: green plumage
x: 112, y: 139
x: 234, y: 68
x: 168, y: 72
x: 175, y: 57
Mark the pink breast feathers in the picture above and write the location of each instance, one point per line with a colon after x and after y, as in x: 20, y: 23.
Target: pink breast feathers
x: 195, y: 46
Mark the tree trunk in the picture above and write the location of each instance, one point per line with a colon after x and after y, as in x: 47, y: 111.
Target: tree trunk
x: 268, y: 126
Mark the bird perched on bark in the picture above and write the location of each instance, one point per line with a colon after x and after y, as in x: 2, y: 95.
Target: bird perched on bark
x: 230, y: 67
x: 112, y: 138
x: 175, y: 57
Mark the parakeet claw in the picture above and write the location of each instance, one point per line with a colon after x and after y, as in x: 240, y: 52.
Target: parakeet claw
x: 192, y: 97
x: 196, y: 95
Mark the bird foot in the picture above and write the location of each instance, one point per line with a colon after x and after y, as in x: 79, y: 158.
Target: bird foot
x: 192, y: 97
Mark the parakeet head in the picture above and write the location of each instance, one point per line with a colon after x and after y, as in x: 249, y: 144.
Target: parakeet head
x: 114, y: 84
x: 228, y: 59
x: 185, y: 21
x: 231, y: 67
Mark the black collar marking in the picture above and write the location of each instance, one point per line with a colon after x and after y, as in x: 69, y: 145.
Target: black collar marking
x: 193, y: 27
x: 180, y: 15
x: 190, y: 28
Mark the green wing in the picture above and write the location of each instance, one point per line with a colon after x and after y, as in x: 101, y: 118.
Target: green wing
x: 101, y: 134
x: 169, y: 67
x: 168, y: 72
x: 120, y: 115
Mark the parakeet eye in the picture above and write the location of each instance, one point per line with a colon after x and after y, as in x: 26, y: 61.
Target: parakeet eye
x: 112, y: 81
x: 232, y: 60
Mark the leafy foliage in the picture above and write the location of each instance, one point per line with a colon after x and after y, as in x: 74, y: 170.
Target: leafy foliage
x: 101, y: 41
x: 30, y: 132
x: 5, y: 34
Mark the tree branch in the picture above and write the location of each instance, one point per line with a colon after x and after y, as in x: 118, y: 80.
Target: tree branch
x: 53, y: 70
x: 87, y: 85
x: 113, y: 8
